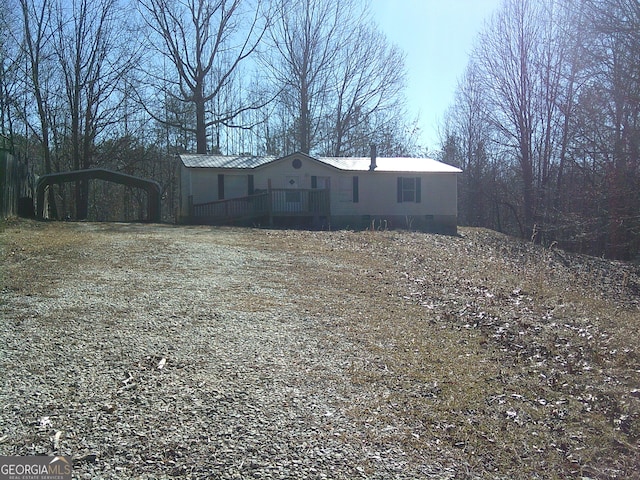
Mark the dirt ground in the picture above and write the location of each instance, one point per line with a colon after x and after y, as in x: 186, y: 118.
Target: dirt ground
x: 157, y: 351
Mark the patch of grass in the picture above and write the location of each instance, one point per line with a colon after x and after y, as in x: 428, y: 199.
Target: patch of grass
x: 529, y: 365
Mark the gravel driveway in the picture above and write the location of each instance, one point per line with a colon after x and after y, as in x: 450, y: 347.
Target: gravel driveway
x: 156, y: 351
x: 152, y: 352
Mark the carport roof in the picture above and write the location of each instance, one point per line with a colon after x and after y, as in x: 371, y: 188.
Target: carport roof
x: 383, y: 164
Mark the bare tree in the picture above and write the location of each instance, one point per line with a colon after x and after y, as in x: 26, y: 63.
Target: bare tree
x: 37, y: 45
x: 523, y: 56
x: 205, y: 42
x: 571, y: 28
x: 36, y: 36
x: 339, y: 80
x: 561, y: 83
x: 369, y: 79
x: 467, y: 143
x: 610, y: 132
x: 95, y: 53
x: 305, y: 41
x: 9, y: 61
x: 507, y: 54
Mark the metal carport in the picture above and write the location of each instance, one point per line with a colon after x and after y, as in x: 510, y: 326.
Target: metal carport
x: 150, y: 186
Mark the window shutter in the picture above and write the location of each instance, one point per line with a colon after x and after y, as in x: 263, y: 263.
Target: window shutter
x: 250, y: 188
x: 220, y: 186
x: 314, y: 181
x: 356, y: 190
x: 399, y: 189
x: 418, y: 190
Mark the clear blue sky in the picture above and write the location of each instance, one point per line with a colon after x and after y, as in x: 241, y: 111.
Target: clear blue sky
x: 437, y: 37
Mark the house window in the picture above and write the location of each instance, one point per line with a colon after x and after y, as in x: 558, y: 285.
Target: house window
x: 409, y: 189
x: 320, y: 182
x: 235, y: 186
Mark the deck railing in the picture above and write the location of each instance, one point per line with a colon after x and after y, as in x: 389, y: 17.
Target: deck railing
x: 253, y: 205
x: 273, y: 203
x: 289, y: 201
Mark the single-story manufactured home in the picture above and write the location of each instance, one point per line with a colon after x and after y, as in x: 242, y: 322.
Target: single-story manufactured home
x: 322, y: 192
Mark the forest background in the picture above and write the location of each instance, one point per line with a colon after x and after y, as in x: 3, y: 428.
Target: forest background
x: 545, y: 123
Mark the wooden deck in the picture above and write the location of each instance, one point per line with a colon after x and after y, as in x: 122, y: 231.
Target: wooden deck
x: 275, y: 203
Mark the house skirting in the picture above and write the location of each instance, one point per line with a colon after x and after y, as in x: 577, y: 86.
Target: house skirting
x: 444, y: 224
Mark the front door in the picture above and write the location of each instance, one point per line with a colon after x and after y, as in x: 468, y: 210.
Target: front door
x: 319, y: 195
x: 323, y: 183
x: 293, y: 199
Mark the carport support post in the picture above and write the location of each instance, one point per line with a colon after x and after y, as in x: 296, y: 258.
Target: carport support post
x: 40, y: 203
x: 155, y: 205
x: 270, y: 203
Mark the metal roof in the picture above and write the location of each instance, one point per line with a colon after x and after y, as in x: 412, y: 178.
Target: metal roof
x: 390, y: 164
x: 383, y: 164
x: 225, y: 161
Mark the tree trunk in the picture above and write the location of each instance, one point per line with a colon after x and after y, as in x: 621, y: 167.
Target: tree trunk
x: 304, y: 126
x: 201, y: 126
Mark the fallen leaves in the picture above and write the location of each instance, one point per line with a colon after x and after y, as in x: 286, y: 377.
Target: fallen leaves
x: 276, y: 353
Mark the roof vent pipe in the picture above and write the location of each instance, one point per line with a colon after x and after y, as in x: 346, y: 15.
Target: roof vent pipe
x: 373, y: 164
